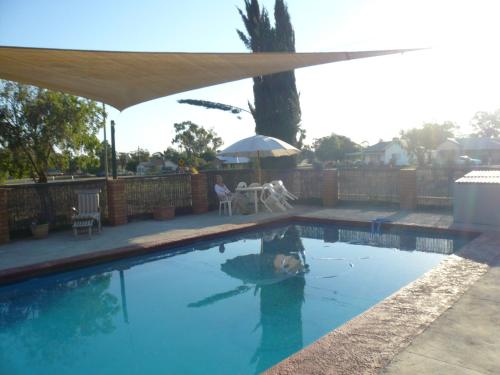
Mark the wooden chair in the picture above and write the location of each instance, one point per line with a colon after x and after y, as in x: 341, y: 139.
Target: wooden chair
x: 88, y: 208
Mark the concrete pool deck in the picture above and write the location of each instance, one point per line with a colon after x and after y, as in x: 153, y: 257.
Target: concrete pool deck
x: 444, y: 322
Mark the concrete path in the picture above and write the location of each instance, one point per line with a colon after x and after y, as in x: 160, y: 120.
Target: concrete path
x: 62, y: 244
x: 463, y: 340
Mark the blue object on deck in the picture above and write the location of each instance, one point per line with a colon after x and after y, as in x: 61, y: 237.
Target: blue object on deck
x: 377, y: 224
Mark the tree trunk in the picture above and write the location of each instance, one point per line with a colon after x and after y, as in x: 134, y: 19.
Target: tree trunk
x: 46, y: 204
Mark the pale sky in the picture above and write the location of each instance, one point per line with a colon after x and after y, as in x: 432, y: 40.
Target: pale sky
x: 365, y: 99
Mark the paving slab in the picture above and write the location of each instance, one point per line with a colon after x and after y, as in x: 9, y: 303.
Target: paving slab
x: 62, y: 244
x: 417, y: 364
x: 465, y: 338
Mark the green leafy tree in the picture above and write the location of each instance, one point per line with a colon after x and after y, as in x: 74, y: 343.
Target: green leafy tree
x: 12, y: 164
x: 430, y: 135
x: 82, y: 164
x: 196, y: 141
x: 307, y: 153
x: 276, y: 107
x: 123, y: 158
x: 101, y: 153
x: 334, y: 147
x: 136, y: 157
x: 43, y: 127
x: 486, y: 124
x: 171, y: 154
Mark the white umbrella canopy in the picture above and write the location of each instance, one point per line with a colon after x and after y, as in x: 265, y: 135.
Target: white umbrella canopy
x: 260, y: 146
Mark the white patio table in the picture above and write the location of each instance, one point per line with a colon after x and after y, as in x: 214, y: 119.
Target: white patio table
x: 255, y: 190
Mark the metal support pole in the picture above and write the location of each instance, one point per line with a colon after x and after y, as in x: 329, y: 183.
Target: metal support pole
x: 113, y: 150
x: 106, y: 168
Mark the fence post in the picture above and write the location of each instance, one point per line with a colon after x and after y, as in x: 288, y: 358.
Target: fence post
x: 330, y: 191
x: 117, y: 202
x: 199, y: 193
x: 4, y: 217
x: 408, y: 189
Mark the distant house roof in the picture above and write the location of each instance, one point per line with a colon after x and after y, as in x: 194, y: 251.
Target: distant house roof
x: 452, y: 140
x: 379, y: 147
x: 477, y: 144
x: 472, y: 144
x: 382, y: 146
x: 233, y: 160
x: 156, y: 163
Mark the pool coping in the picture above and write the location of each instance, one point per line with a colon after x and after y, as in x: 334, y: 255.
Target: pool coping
x: 22, y: 273
x: 369, y: 342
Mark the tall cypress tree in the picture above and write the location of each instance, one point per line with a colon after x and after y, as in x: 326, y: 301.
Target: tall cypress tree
x: 276, y: 107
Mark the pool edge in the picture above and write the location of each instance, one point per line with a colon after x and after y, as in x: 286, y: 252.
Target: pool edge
x: 22, y: 273
x: 369, y: 342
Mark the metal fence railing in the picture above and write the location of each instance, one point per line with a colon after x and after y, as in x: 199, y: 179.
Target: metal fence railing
x: 24, y: 203
x: 380, y: 185
x: 144, y: 194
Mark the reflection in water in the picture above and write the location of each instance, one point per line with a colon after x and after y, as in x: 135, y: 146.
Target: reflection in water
x: 220, y: 296
x: 49, y: 340
x: 277, y: 272
x: 408, y: 241
x: 123, y: 296
x: 53, y: 324
x: 281, y: 303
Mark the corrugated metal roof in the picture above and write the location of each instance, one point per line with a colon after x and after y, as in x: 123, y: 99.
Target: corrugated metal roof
x: 379, y: 147
x: 479, y: 144
x: 480, y: 177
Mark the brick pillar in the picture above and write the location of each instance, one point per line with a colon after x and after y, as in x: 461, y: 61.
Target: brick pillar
x: 330, y: 192
x: 199, y: 193
x: 4, y: 217
x: 117, y: 202
x: 408, y: 189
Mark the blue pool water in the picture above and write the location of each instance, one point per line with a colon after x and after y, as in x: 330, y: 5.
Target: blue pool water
x: 236, y: 305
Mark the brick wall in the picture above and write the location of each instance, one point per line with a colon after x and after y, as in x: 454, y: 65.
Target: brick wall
x: 117, y: 202
x: 408, y: 189
x: 199, y: 193
x: 330, y: 190
x: 4, y: 218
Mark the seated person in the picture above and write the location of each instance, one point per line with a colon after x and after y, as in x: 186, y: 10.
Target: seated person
x: 238, y: 200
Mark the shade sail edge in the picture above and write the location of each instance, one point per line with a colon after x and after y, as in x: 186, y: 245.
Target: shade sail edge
x: 124, y: 79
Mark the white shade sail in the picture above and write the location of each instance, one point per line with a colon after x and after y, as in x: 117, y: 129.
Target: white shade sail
x: 123, y: 79
x: 260, y: 146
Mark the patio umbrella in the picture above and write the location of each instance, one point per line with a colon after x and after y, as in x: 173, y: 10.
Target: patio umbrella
x: 259, y: 146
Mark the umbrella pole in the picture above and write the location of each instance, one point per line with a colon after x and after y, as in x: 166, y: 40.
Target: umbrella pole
x: 259, y: 172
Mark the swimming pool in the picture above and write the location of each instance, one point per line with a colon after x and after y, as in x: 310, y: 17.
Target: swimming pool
x: 235, y: 305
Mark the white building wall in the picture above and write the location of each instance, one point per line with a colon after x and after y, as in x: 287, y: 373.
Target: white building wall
x: 400, y: 153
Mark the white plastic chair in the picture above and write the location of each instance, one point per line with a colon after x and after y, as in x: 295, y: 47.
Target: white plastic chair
x: 269, y: 197
x: 280, y: 187
x: 254, y: 184
x: 225, y: 204
x: 282, y: 192
x: 241, y: 185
